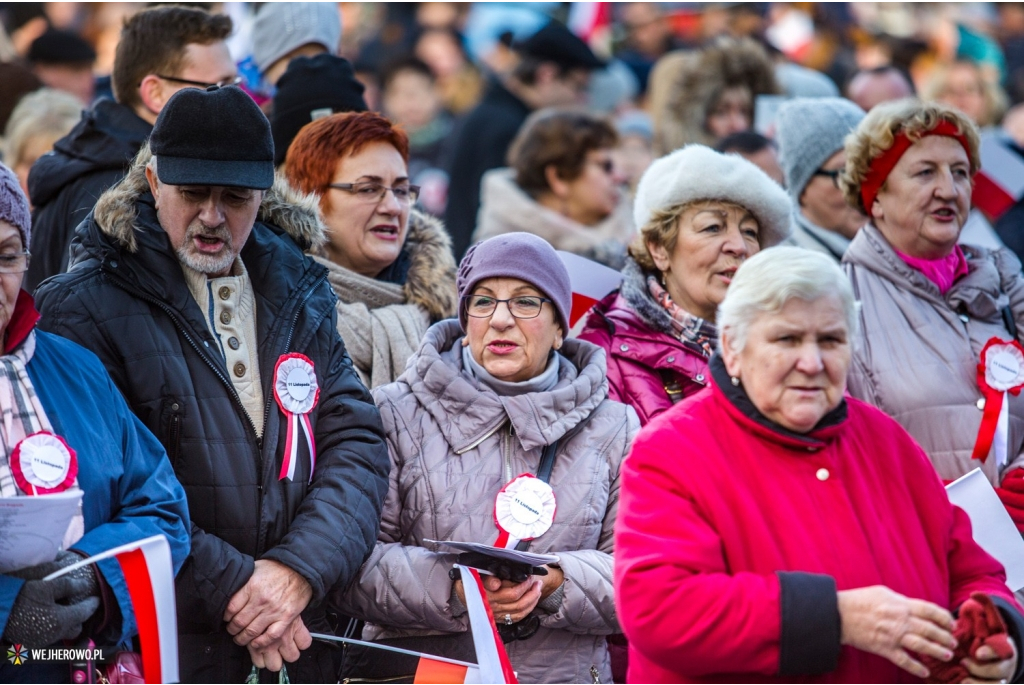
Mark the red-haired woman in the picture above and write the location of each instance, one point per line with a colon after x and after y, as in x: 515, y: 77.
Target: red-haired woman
x: 392, y: 267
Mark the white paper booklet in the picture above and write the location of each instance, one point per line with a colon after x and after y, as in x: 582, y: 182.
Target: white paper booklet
x: 992, y: 527
x: 32, y: 528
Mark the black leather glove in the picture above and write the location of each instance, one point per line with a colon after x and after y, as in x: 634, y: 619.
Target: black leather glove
x: 64, y: 559
x: 43, y: 612
x: 505, y: 570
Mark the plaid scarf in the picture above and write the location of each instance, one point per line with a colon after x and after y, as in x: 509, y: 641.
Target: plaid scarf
x: 22, y: 414
x: 695, y: 333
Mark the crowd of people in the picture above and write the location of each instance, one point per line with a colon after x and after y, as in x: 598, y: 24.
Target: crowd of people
x: 288, y: 288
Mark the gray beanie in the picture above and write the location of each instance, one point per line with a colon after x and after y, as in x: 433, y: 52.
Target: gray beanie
x: 13, y: 205
x: 809, y: 131
x: 281, y: 27
x: 517, y: 255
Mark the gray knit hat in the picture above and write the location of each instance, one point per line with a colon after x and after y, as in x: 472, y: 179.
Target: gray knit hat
x: 517, y: 255
x: 809, y: 131
x: 13, y: 205
x: 281, y: 27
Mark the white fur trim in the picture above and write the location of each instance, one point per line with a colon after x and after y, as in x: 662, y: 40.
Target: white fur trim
x: 696, y: 172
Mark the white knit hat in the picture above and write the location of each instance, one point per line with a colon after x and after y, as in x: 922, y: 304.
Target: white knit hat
x: 695, y: 172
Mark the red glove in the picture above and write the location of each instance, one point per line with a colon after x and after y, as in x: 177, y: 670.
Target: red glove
x: 1011, y: 493
x: 978, y: 624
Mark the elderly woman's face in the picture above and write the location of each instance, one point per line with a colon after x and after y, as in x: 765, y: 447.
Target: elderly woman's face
x: 714, y: 239
x: 10, y: 284
x: 925, y: 201
x: 366, y: 232
x: 512, y: 349
x: 794, y: 364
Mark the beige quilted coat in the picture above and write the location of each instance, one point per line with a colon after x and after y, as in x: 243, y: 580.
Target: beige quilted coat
x: 453, y: 444
x: 918, y: 351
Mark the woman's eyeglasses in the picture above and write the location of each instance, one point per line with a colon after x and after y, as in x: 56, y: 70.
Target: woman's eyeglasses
x: 14, y: 262
x: 371, y: 192
x: 525, y: 307
x: 831, y: 173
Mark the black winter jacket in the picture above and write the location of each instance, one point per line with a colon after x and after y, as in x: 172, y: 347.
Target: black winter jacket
x: 481, y: 144
x: 127, y: 301
x: 65, y: 184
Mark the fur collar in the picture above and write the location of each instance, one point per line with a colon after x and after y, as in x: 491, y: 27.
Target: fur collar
x: 283, y: 206
x: 634, y: 291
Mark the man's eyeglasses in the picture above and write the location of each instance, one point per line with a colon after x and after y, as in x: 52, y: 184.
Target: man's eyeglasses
x: 525, y: 307
x: 371, y: 192
x: 14, y: 262
x: 199, y: 84
x: 831, y: 173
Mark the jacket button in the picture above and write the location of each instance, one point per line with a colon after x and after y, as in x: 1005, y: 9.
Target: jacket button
x: 225, y: 317
x: 233, y: 343
x: 207, y: 649
x: 239, y: 369
x: 699, y: 378
x: 624, y: 347
x: 981, y: 403
x: 965, y: 318
x: 822, y: 474
x: 670, y: 360
x: 224, y: 292
x: 175, y: 407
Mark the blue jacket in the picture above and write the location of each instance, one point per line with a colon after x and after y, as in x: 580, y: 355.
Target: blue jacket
x: 130, y: 490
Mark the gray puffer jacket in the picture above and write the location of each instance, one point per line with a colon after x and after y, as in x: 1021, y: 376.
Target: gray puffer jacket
x: 454, y: 443
x: 918, y: 352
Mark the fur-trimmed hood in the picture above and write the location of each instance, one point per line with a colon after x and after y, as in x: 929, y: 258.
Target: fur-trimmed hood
x: 296, y: 213
x: 685, y: 84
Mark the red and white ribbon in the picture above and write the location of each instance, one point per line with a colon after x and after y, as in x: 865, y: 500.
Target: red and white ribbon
x: 43, y: 463
x: 523, y: 510
x: 296, y: 392
x: 1001, y: 371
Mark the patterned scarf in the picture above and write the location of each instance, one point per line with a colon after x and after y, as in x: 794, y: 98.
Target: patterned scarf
x: 22, y: 414
x: 695, y: 333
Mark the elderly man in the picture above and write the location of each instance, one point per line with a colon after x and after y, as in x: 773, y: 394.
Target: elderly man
x: 810, y: 132
x: 190, y: 283
x: 872, y: 87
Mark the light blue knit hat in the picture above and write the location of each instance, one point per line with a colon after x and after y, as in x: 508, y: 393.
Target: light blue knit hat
x: 809, y: 131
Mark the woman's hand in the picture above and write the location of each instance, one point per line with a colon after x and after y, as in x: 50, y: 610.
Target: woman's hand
x: 877, y: 620
x: 986, y: 668
x: 506, y: 597
x: 552, y: 581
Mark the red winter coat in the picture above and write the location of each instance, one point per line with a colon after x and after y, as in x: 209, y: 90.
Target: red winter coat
x: 638, y: 354
x: 732, y: 540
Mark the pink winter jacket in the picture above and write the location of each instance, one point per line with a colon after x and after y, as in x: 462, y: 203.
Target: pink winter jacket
x: 733, y: 538
x: 634, y: 331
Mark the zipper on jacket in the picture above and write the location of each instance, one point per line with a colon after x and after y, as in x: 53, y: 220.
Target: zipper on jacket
x: 476, y: 443
x: 174, y: 435
x: 507, y: 451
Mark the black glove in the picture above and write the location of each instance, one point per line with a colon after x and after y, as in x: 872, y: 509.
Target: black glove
x: 505, y: 570
x: 42, y: 613
x: 64, y: 559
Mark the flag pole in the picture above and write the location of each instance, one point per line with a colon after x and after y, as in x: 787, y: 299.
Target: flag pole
x: 399, y: 650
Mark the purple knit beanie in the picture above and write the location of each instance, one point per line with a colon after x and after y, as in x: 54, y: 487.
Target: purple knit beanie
x: 517, y: 255
x: 13, y: 205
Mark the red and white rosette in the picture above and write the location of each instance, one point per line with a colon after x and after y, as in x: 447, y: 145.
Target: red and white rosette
x: 296, y: 391
x: 523, y: 510
x: 43, y: 463
x: 1001, y: 371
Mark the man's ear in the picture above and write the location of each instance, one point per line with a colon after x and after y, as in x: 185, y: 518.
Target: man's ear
x: 154, y: 185
x: 151, y: 92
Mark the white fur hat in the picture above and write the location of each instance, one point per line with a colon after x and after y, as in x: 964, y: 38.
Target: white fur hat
x: 696, y: 172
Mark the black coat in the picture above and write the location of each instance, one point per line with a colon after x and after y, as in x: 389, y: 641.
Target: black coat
x: 481, y: 144
x: 65, y: 184
x: 134, y: 310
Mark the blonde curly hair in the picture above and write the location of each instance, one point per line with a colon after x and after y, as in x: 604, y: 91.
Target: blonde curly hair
x: 662, y: 230
x: 878, y: 130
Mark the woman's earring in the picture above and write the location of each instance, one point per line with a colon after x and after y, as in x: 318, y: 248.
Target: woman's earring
x: 465, y: 341
x: 734, y: 380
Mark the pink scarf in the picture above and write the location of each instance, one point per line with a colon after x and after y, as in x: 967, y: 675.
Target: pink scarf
x: 942, y: 272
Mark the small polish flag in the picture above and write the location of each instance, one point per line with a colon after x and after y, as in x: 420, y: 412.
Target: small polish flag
x: 592, y: 22
x: 590, y: 282
x: 429, y: 668
x: 149, y: 574
x: 999, y: 185
x: 490, y: 650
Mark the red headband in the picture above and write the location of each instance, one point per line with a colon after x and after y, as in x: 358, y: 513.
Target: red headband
x: 882, y: 165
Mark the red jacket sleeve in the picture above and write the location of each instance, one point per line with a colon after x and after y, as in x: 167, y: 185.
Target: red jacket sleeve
x: 677, y: 603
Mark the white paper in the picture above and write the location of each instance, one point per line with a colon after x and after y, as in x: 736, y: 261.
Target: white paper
x: 992, y: 527
x: 32, y: 527
x: 500, y: 553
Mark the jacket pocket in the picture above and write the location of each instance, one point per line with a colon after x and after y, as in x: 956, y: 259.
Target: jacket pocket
x: 174, y: 414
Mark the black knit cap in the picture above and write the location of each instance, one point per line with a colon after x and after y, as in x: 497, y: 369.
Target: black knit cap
x: 556, y: 43
x: 55, y: 46
x: 311, y: 88
x: 213, y: 137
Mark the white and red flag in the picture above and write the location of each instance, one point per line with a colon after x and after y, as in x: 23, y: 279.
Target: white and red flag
x: 149, y: 575
x: 999, y: 184
x: 590, y: 281
x: 490, y: 650
x: 592, y: 22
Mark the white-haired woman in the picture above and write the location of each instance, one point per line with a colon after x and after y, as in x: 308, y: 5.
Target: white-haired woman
x: 767, y: 547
